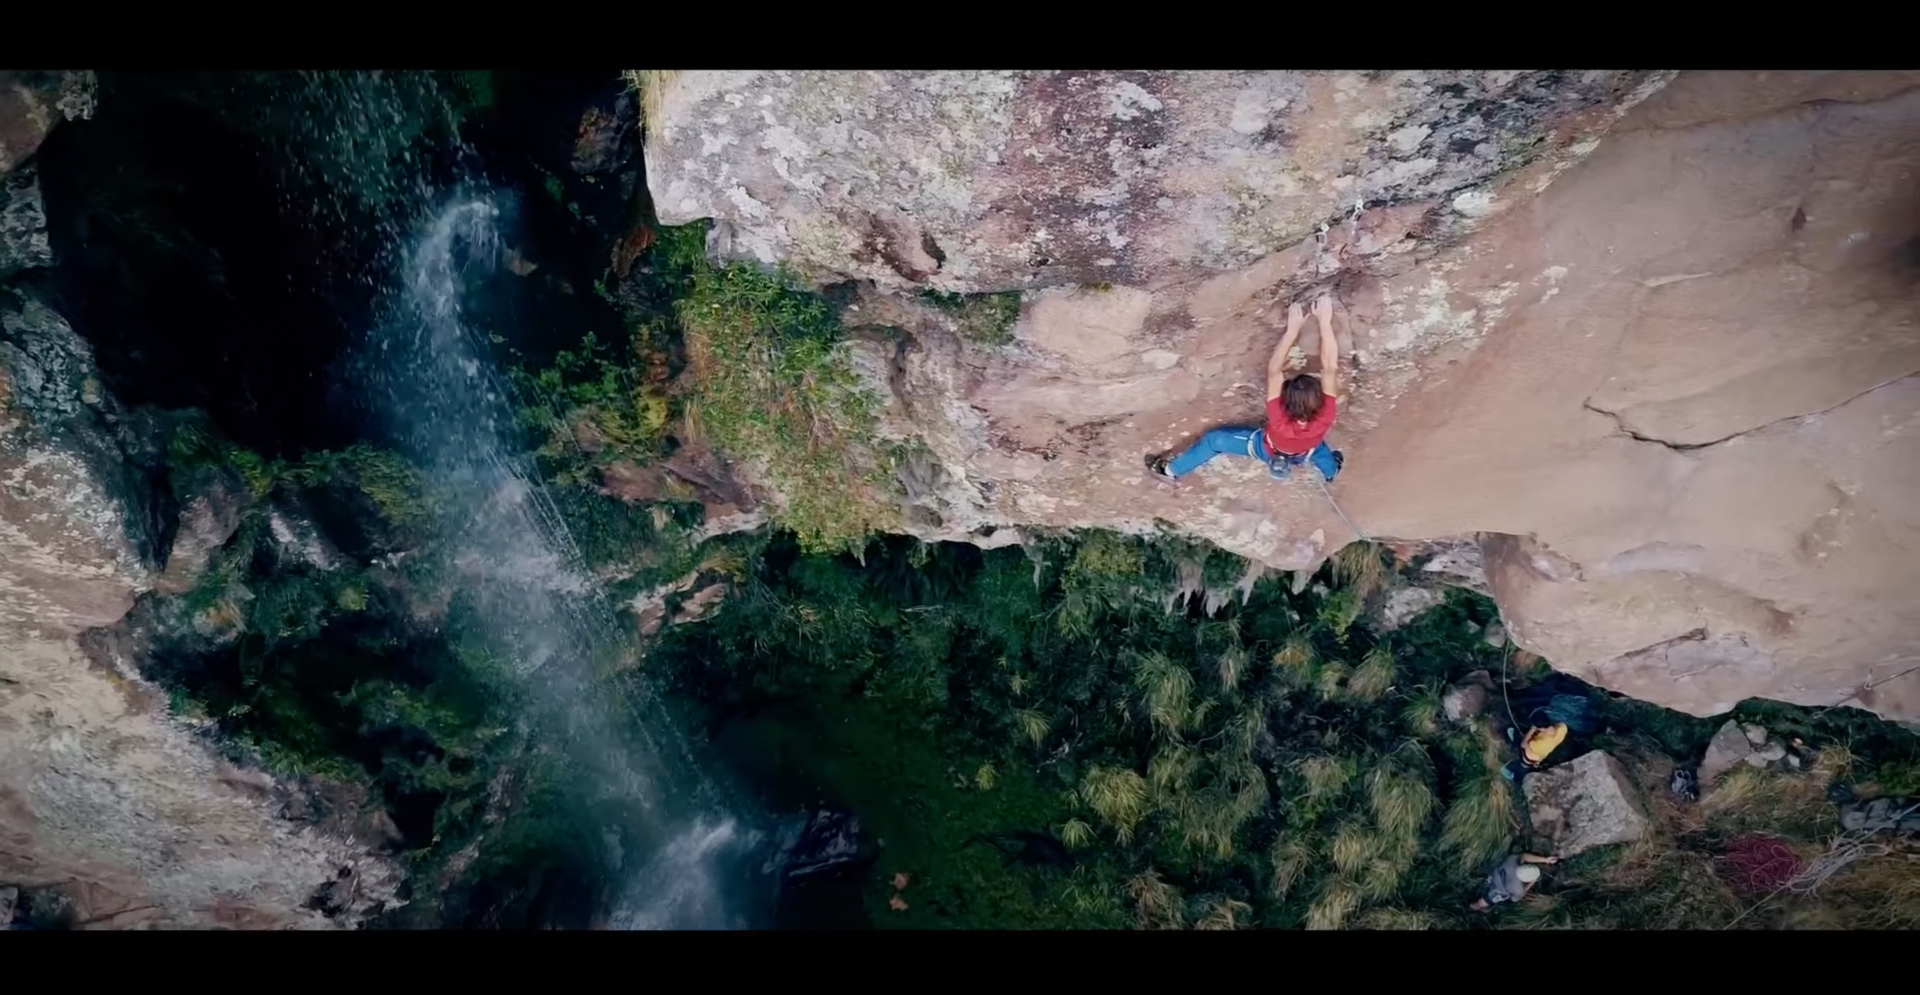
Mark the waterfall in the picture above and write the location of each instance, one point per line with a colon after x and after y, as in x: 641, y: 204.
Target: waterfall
x: 517, y: 557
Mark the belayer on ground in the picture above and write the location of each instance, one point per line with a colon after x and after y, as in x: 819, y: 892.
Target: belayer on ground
x: 1511, y: 879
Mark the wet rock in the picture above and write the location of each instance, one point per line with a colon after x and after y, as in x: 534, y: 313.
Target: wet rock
x: 298, y: 538
x: 701, y: 604
x: 209, y: 516
x: 32, y: 102
x: 1729, y: 746
x: 99, y: 787
x: 608, y: 135
x: 1467, y: 699
x: 822, y: 843
x: 79, y: 523
x: 23, y: 224
x: 1584, y: 803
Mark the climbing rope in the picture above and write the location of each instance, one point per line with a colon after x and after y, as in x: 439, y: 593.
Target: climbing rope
x: 1336, y: 508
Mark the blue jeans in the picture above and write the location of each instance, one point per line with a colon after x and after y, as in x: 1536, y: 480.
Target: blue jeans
x: 1250, y: 442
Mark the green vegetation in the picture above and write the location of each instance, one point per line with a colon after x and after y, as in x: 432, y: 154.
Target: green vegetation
x: 1278, y: 765
x: 984, y: 318
x: 768, y: 386
x: 1250, y: 769
x: 773, y: 390
x: 652, y: 85
x: 301, y: 645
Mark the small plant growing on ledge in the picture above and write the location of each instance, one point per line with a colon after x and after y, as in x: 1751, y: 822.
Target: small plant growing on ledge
x: 984, y: 318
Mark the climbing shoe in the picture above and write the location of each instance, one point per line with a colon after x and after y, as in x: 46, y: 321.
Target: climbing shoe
x: 1158, y: 466
x: 1339, y: 460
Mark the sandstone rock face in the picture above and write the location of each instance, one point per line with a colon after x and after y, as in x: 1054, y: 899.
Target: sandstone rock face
x: 1001, y: 180
x: 1664, y: 328
x: 1585, y: 803
x: 123, y: 813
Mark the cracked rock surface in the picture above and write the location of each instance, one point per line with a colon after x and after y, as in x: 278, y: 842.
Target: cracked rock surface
x: 1664, y: 328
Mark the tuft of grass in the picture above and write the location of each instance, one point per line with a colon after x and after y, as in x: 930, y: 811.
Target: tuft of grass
x: 1339, y: 610
x: 1422, y: 713
x: 1391, y: 918
x: 1748, y: 799
x: 1223, y: 914
x: 1374, y: 677
x: 1879, y: 893
x: 1352, y: 848
x: 1653, y: 884
x: 1360, y: 567
x: 652, y: 85
x: 1327, y: 777
x: 1401, y: 801
x: 1329, y: 680
x: 1479, y: 826
x: 1034, y: 725
x: 1233, y: 666
x: 1166, y: 690
x: 1289, y: 859
x: 984, y: 318
x: 1380, y: 879
x: 1336, y: 903
x: 1156, y: 903
x: 1118, y: 796
x: 1075, y: 833
x: 986, y: 776
x: 1895, y: 777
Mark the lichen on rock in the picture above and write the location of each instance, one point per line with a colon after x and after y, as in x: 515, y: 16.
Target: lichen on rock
x: 1547, y: 325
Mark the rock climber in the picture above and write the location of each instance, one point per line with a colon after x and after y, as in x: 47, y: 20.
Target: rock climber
x: 1511, y: 879
x: 1300, y: 410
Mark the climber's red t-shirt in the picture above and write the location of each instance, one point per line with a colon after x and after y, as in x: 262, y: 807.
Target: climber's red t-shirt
x: 1284, y: 435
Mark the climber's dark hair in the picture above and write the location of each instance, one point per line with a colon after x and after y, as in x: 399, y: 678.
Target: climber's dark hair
x: 1301, y: 397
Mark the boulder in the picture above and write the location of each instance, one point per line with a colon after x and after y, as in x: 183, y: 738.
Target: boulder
x: 1729, y: 746
x: 9, y: 897
x: 1897, y: 814
x: 1757, y: 735
x: 1467, y: 699
x: 1496, y: 635
x: 209, y: 515
x: 1584, y: 803
x: 32, y: 102
x: 78, y: 525
x: 819, y: 844
x: 1405, y: 604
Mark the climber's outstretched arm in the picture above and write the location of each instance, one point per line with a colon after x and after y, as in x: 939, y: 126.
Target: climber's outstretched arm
x: 1329, y: 347
x: 1277, y: 366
